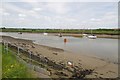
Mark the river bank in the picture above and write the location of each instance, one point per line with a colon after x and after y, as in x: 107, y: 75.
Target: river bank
x: 98, y: 35
x: 66, y: 31
x: 100, y: 68
x: 77, y: 35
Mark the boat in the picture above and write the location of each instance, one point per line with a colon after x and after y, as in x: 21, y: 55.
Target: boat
x: 84, y: 34
x: 60, y: 35
x: 19, y: 32
x: 45, y: 34
x: 92, y: 36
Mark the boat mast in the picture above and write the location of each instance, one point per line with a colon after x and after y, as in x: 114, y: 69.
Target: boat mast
x: 91, y: 31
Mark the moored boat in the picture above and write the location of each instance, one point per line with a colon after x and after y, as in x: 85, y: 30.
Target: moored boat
x: 19, y: 32
x: 45, y: 34
x: 92, y: 36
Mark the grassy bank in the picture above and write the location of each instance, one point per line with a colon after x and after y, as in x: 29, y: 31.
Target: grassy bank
x: 11, y: 67
x: 0, y: 62
x: 77, y: 31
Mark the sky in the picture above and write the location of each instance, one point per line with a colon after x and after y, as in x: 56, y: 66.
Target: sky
x: 63, y: 15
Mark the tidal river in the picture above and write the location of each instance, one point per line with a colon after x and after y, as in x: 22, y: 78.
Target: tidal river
x: 101, y: 47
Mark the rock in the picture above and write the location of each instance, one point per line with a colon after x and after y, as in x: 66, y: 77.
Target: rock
x: 81, y: 74
x: 55, y: 53
x: 61, y: 74
x: 33, y: 46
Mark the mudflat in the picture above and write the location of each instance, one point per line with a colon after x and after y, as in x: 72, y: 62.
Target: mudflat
x: 101, y: 68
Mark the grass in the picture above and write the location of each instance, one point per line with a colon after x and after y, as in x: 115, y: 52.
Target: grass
x: 0, y: 61
x: 12, y: 67
x: 77, y: 31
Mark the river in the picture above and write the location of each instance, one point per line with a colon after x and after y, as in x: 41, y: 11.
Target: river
x: 101, y: 47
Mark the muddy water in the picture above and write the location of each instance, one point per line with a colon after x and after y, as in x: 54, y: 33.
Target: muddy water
x: 100, y: 47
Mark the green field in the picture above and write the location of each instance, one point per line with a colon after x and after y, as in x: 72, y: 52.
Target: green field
x: 0, y: 61
x: 12, y: 67
x: 77, y: 31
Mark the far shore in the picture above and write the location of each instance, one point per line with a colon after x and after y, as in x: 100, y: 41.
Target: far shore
x: 102, y: 68
x: 78, y: 35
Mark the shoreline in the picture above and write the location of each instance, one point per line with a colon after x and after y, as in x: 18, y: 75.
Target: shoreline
x: 103, y: 68
x: 77, y: 35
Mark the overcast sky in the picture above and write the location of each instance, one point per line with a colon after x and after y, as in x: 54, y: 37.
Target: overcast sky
x: 59, y: 14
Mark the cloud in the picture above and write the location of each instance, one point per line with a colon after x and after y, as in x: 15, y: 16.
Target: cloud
x: 21, y: 15
x: 21, y: 11
x: 33, y: 3
x: 113, y: 16
x: 22, y: 18
x: 94, y: 19
x: 3, y: 12
x: 61, y: 0
x: 1, y: 9
x: 60, y: 15
x: 37, y: 9
x: 59, y: 8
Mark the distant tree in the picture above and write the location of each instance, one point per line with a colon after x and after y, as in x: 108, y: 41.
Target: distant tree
x: 33, y: 29
x: 3, y: 28
x: 23, y: 29
x: 47, y: 29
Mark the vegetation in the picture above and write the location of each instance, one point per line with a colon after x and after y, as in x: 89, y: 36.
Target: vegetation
x: 0, y: 62
x: 12, y: 67
x: 87, y: 31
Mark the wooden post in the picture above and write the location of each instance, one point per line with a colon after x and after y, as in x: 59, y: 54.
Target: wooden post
x: 30, y: 56
x: 18, y: 50
x: 4, y: 46
x: 7, y: 47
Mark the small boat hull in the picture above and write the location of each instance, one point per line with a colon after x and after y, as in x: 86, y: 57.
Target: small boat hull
x: 92, y: 37
x: 19, y: 32
x: 60, y: 35
x: 45, y: 34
